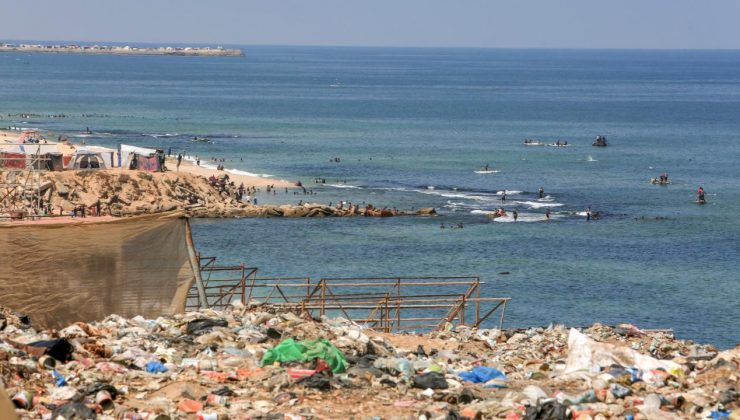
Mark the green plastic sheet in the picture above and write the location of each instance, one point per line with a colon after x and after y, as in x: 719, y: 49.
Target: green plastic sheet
x: 291, y: 351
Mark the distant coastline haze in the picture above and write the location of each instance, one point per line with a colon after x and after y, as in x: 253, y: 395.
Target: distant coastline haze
x: 631, y: 24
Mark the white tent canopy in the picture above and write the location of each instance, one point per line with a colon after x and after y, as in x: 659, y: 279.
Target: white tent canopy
x: 87, y: 159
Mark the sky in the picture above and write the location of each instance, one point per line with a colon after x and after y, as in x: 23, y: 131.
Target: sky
x: 671, y: 24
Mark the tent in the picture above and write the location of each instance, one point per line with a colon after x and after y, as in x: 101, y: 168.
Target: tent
x: 87, y: 159
x: 108, y: 154
x: 60, y: 273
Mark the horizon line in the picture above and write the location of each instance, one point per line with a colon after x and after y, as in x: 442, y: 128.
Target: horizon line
x: 163, y: 43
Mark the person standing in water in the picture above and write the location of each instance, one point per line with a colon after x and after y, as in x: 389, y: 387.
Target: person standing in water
x: 503, y: 196
x: 542, y: 192
x: 515, y: 214
x: 547, y: 214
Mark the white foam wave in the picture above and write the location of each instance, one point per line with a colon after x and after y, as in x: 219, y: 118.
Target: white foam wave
x: 487, y: 172
x: 245, y: 173
x: 352, y: 187
x: 508, y: 192
x: 522, y: 218
x: 536, y: 205
x: 590, y: 158
x: 451, y: 194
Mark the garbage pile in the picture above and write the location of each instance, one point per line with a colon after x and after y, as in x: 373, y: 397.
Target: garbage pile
x: 261, y: 362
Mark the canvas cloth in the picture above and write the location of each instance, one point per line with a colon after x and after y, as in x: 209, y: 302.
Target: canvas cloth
x: 68, y: 272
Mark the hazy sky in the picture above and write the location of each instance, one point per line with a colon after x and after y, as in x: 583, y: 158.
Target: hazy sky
x: 428, y: 23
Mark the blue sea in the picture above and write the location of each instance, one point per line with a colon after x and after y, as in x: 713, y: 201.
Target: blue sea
x: 412, y: 126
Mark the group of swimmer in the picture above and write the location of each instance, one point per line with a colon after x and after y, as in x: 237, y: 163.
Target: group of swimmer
x: 663, y: 180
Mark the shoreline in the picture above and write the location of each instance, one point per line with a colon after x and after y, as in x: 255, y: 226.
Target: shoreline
x: 200, y: 191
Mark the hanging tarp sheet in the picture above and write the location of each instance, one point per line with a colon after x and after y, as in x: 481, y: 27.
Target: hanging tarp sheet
x: 67, y: 272
x: 148, y: 163
x: 12, y: 160
x: 127, y: 152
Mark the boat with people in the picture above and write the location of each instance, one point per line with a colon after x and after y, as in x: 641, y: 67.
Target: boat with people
x: 201, y: 140
x: 600, y: 141
x: 559, y: 144
x: 660, y: 179
x: 530, y: 142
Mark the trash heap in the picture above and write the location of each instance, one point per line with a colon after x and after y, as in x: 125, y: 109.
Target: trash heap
x: 265, y: 363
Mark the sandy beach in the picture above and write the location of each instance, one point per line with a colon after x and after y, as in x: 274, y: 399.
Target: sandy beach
x: 12, y: 136
x: 248, y: 180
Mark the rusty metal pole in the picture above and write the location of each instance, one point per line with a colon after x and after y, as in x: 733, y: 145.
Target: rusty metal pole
x: 477, y: 300
x: 244, y: 284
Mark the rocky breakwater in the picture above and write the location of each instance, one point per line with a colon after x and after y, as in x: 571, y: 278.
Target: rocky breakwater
x: 128, y: 192
x: 303, y: 210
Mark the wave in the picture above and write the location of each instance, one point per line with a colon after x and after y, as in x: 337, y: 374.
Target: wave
x: 509, y: 192
x: 536, y: 204
x: 352, y: 187
x: 245, y: 173
x: 522, y: 217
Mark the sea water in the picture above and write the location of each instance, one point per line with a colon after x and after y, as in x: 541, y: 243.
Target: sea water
x: 411, y: 127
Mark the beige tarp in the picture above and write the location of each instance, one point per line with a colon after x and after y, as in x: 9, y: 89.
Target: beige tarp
x: 67, y: 272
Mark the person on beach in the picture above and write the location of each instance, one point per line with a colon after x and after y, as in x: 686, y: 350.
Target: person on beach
x: 547, y: 214
x: 515, y: 214
x: 542, y: 192
x: 179, y: 161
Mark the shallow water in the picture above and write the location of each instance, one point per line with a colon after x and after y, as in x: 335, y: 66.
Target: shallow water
x: 412, y: 127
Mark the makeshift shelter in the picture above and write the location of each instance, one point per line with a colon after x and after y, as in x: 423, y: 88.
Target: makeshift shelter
x: 83, y: 271
x: 87, y: 159
x: 128, y: 153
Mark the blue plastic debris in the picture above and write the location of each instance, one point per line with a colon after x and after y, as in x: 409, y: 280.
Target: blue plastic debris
x: 58, y: 378
x: 155, y: 367
x: 484, y: 374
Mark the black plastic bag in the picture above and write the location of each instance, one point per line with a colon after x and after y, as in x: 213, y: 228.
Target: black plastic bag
x: 431, y: 380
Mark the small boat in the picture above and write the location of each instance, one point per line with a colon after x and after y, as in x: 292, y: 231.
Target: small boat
x: 701, y: 201
x: 559, y: 144
x: 528, y: 142
x: 599, y: 142
x: 201, y: 140
x: 486, y: 170
x: 658, y: 181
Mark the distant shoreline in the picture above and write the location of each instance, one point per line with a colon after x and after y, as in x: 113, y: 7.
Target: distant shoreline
x: 125, y: 50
